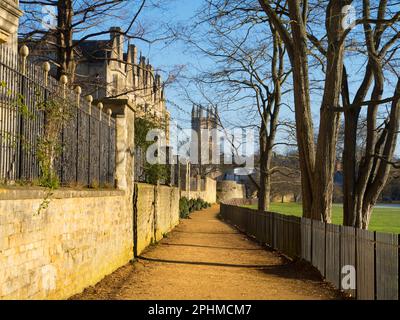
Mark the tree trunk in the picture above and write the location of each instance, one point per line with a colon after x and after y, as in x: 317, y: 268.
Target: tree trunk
x: 316, y: 164
x: 329, y: 118
x: 358, y: 210
x: 317, y: 167
x: 264, y: 193
x: 304, y: 126
x: 363, y: 185
x: 65, y: 52
x: 349, y: 167
x: 350, y: 172
x: 271, y: 109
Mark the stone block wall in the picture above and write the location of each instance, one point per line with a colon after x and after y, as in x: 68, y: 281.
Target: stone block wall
x: 157, y: 213
x: 9, y: 21
x: 145, y: 216
x: 80, y: 238
x: 227, y: 190
x: 209, y: 194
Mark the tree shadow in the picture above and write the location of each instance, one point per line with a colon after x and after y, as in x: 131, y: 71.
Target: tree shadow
x: 213, y: 264
x: 211, y: 247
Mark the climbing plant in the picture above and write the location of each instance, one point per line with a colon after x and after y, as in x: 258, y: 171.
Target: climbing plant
x: 151, y: 173
x: 57, y: 113
x: 47, y: 147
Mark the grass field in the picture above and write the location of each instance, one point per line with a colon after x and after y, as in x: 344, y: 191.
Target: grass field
x: 383, y: 219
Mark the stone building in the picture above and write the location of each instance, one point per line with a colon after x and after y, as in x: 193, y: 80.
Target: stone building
x: 104, y: 69
x: 9, y: 21
x: 204, y: 134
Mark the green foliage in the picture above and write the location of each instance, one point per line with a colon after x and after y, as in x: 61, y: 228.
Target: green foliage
x: 142, y: 127
x: 186, y: 206
x: 153, y: 172
x: 48, y: 146
x: 184, y: 211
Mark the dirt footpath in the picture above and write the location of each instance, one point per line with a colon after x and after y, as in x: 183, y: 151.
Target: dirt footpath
x: 204, y: 258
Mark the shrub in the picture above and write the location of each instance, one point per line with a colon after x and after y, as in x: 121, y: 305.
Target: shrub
x: 184, y: 208
x: 187, y: 206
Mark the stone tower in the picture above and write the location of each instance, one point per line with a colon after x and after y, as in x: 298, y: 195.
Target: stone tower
x: 204, y: 131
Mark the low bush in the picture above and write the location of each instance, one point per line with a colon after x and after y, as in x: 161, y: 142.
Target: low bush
x: 186, y: 206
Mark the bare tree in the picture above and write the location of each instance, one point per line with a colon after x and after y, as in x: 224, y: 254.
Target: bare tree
x: 82, y: 17
x: 286, y: 176
x: 365, y: 178
x: 246, y: 71
x: 316, y: 159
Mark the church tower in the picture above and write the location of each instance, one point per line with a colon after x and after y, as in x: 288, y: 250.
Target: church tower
x: 204, y: 131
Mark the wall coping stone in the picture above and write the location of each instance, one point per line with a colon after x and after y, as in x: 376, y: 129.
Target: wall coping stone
x: 11, y: 193
x: 117, y: 106
x: 161, y: 186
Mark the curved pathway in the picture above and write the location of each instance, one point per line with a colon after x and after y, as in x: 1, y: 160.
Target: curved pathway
x: 204, y: 258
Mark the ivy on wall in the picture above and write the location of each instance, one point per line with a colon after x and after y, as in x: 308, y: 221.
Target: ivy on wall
x: 152, y: 173
x: 48, y: 146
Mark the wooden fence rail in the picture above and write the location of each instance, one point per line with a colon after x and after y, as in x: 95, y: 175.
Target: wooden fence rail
x: 334, y: 250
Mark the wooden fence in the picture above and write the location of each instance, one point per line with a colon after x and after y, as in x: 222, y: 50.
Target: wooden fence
x: 329, y: 248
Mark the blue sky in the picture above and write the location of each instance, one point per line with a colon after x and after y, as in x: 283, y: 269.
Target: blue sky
x: 166, y: 57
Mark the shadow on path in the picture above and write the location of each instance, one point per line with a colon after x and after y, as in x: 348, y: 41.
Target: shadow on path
x: 211, y: 247
x: 206, y: 259
x: 215, y: 264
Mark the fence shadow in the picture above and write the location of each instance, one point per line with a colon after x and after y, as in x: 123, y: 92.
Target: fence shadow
x: 330, y: 249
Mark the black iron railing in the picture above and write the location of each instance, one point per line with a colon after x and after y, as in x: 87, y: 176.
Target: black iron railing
x: 86, y: 155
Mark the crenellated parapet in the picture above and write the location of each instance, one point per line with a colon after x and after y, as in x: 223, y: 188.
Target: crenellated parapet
x: 106, y: 70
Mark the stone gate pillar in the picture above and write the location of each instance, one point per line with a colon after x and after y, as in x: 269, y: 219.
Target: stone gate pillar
x: 124, y: 113
x: 9, y: 22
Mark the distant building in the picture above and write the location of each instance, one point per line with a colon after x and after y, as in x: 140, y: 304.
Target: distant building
x: 204, y: 134
x: 9, y: 21
x: 105, y: 70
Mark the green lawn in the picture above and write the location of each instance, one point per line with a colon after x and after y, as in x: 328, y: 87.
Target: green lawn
x: 383, y: 219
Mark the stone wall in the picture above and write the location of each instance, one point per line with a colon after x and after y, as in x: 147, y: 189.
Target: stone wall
x: 283, y: 198
x: 227, y: 190
x: 157, y: 213
x: 209, y: 193
x: 9, y: 21
x: 81, y: 237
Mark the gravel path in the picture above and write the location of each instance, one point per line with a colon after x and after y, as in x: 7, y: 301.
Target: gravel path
x: 204, y: 258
